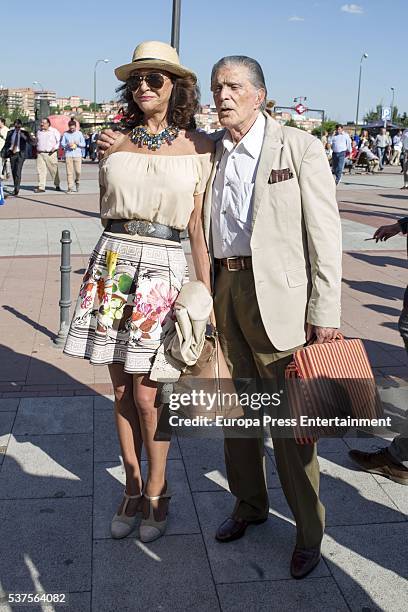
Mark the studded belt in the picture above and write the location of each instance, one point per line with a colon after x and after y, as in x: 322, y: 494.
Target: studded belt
x: 143, y: 228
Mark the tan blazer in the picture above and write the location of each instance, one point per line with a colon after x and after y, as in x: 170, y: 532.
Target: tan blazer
x: 296, y: 235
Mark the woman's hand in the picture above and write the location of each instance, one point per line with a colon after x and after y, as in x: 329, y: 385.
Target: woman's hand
x: 106, y: 139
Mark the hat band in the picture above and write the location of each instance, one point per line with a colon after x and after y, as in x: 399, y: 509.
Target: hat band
x: 156, y: 59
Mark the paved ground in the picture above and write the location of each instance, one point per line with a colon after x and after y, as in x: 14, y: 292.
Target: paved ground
x: 60, y: 469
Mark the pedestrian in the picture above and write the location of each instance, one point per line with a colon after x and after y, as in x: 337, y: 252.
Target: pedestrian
x: 4, y: 169
x: 397, y: 148
x: 73, y: 142
x: 382, y: 141
x: 404, y: 161
x: 341, y: 144
x: 392, y: 461
x: 16, y: 146
x: 272, y: 292
x: 47, y: 142
x: 155, y: 173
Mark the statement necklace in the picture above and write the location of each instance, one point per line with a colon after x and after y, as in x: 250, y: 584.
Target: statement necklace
x: 141, y: 136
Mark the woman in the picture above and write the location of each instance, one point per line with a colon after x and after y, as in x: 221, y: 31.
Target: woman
x: 152, y: 184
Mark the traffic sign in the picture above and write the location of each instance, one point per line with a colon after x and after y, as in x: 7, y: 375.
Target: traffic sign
x: 300, y: 109
x: 386, y: 113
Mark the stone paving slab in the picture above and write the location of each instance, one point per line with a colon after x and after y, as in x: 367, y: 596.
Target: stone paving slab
x: 204, y: 459
x: 265, y: 551
x: 54, y: 416
x: 172, y: 574
x: 6, y: 424
x: 370, y: 565
x: 352, y: 496
x: 47, y: 466
x: 317, y: 595
x: 55, y: 556
x: 109, y: 486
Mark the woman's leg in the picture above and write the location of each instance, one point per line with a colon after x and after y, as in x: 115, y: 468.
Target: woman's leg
x: 130, y: 438
x: 144, y: 395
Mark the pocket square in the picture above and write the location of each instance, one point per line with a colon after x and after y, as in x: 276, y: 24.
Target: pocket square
x: 277, y: 176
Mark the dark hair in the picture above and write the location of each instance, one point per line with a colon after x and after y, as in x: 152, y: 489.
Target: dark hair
x: 2, y: 119
x: 18, y: 121
x: 183, y: 104
x: 339, y: 125
x: 72, y: 122
x: 256, y: 75
x: 47, y: 120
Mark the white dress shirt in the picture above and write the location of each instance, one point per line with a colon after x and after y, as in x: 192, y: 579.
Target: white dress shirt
x: 231, y: 216
x: 48, y: 140
x: 341, y: 143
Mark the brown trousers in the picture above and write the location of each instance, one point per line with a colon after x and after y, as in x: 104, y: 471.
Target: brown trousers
x: 250, y: 354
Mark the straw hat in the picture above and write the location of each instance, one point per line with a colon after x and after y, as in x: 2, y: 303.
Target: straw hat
x: 154, y: 54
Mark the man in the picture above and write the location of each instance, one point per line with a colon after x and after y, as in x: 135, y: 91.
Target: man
x: 16, y: 147
x: 73, y: 142
x: 47, y: 141
x: 391, y: 462
x: 382, y: 141
x: 372, y: 160
x: 397, y: 148
x: 3, y: 159
x: 404, y: 139
x: 272, y: 223
x: 341, y: 144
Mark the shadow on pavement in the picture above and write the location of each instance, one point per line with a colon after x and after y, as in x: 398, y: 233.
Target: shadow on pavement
x: 381, y: 260
x: 376, y: 288
x: 34, y: 324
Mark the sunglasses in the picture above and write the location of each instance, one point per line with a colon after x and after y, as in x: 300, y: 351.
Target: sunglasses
x: 155, y: 80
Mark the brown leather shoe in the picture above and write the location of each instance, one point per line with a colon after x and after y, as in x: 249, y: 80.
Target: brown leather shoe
x: 234, y: 528
x: 380, y: 462
x: 304, y: 560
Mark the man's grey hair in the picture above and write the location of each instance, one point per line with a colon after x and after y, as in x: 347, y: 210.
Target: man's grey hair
x: 256, y: 75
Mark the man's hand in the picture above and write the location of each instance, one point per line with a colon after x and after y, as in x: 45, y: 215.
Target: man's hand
x: 106, y: 139
x: 322, y: 334
x: 387, y: 231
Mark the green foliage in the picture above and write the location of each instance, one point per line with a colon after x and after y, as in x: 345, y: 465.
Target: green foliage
x: 93, y: 106
x: 327, y: 126
x: 68, y: 107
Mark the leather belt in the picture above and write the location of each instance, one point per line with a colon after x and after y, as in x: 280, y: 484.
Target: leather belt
x: 234, y: 264
x: 143, y: 228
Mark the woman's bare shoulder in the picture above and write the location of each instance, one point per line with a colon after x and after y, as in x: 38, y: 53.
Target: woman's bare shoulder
x: 200, y: 141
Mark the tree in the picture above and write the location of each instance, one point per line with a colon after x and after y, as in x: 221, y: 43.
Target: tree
x: 68, y: 107
x: 327, y: 126
x: 93, y: 106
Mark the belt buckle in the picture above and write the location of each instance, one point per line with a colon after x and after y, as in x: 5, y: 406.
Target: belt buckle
x: 228, y: 264
x: 131, y: 227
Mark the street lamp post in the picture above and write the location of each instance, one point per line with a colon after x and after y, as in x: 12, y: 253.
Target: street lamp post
x: 38, y: 111
x: 363, y: 57
x: 175, y: 25
x: 392, y: 103
x: 105, y: 61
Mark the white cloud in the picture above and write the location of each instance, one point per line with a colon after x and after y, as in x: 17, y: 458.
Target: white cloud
x: 355, y: 9
x: 296, y: 18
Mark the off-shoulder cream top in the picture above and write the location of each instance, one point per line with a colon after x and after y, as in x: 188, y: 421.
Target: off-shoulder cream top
x: 158, y: 188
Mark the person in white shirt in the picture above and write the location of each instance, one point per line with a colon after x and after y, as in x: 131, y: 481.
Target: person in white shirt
x: 382, y: 141
x: 47, y: 141
x: 5, y: 164
x: 397, y: 148
x: 404, y: 140
x: 340, y: 144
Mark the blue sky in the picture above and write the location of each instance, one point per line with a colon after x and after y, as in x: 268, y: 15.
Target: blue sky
x: 306, y: 48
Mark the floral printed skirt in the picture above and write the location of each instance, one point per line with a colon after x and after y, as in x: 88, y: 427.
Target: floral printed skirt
x: 125, y: 304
